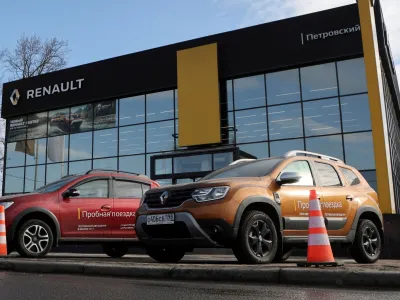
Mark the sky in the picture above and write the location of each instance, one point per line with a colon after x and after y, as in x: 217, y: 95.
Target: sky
x: 99, y: 29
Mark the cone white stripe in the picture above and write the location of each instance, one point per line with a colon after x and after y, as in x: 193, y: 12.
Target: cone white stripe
x: 318, y: 240
x: 3, y: 240
x: 314, y: 205
x: 316, y: 222
x: 2, y: 228
x: 2, y: 217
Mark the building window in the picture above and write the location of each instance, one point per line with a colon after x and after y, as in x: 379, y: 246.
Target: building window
x: 283, y: 87
x: 57, y: 148
x: 352, y: 79
x: 34, y: 178
x: 16, y: 129
x: 131, y: 110
x: 251, y: 125
x: 160, y: 106
x: 80, y: 146
x: 55, y: 172
x: 229, y: 95
x: 14, y: 181
x: 132, y: 140
x: 134, y: 164
x: 355, y: 113
x: 35, y: 152
x: 59, y: 122
x: 79, y: 167
x: 37, y: 126
x: 280, y: 148
x: 329, y: 145
x: 259, y: 150
x: 160, y: 136
x: 285, y: 121
x: 249, y: 92
x: 105, y: 163
x: 319, y: 81
x: 105, y: 114
x: 81, y: 118
x: 16, y: 154
x: 105, y: 143
x: 359, y: 150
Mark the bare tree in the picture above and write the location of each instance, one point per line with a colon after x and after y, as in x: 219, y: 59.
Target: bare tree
x: 32, y: 56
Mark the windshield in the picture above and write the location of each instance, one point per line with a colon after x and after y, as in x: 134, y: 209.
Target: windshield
x: 53, y: 186
x: 256, y: 168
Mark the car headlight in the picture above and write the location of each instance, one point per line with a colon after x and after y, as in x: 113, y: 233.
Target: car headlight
x: 6, y: 204
x: 210, y: 194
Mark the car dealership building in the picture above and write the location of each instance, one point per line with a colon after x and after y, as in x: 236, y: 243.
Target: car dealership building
x: 323, y: 82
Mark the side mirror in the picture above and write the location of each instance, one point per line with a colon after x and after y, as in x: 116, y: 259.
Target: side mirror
x: 288, y: 178
x: 71, y: 193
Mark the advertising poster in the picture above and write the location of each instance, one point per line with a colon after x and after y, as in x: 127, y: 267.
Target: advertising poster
x: 59, y: 122
x: 37, y: 125
x: 81, y: 118
x: 16, y: 129
x: 105, y: 114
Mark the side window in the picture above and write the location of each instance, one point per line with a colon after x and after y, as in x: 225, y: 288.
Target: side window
x: 94, y: 189
x: 128, y: 189
x: 327, y: 174
x: 303, y: 168
x: 350, y: 176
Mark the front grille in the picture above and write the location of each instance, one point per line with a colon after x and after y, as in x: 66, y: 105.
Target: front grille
x: 170, y: 231
x: 175, y: 198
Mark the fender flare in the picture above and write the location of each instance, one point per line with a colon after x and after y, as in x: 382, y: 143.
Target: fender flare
x: 364, y: 209
x: 18, y: 218
x: 256, y: 199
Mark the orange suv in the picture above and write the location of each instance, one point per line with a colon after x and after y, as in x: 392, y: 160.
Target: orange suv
x: 259, y: 209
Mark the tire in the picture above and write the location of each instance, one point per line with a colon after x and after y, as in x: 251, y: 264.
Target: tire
x: 166, y: 254
x: 34, y: 239
x: 368, y: 234
x: 115, y: 251
x: 257, y: 233
x: 280, y: 257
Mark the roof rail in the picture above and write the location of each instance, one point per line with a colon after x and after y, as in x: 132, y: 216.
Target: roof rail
x: 308, y: 153
x: 240, y: 160
x: 113, y: 171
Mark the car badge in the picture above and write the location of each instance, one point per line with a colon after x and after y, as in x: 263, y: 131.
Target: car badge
x: 164, y: 197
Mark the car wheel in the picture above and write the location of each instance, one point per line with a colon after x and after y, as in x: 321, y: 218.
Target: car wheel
x: 115, y: 251
x: 284, y: 255
x: 367, y: 244
x: 166, y: 254
x: 257, y: 241
x: 34, y: 239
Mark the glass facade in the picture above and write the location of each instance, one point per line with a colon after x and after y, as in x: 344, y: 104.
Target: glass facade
x: 320, y: 108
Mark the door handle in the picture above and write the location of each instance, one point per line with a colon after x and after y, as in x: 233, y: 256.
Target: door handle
x: 349, y: 197
x: 106, y: 207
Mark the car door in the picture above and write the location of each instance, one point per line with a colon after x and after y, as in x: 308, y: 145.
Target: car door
x: 335, y: 204
x: 127, y: 196
x: 294, y: 198
x: 89, y: 214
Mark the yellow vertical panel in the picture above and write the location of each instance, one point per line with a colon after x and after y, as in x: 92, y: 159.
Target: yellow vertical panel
x: 198, y: 96
x: 377, y: 107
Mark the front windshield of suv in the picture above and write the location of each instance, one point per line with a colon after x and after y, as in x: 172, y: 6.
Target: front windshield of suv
x: 256, y: 168
x: 53, y: 186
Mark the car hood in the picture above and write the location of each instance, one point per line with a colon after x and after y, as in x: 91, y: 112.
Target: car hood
x: 18, y: 197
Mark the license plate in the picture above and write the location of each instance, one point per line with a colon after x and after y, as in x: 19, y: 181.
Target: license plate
x: 160, y: 219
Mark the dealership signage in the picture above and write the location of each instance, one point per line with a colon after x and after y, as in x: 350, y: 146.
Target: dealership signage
x: 55, y: 89
x: 328, y: 34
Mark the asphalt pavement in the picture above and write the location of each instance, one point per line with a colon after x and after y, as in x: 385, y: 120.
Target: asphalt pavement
x: 59, y: 287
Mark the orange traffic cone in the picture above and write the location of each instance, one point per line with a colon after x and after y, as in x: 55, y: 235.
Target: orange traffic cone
x: 319, y: 252
x: 3, y: 237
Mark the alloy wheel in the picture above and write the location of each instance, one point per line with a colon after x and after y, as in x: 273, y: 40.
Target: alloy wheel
x: 36, y: 239
x: 370, y: 241
x: 260, y: 238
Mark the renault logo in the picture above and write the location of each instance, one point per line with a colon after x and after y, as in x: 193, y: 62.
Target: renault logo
x: 164, y: 197
x: 14, y: 97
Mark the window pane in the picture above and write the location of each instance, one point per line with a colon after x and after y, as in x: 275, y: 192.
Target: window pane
x: 222, y: 160
x: 285, y: 121
x: 303, y: 168
x: 16, y: 154
x: 194, y: 163
x: 164, y: 182
x: 14, y: 180
x: 105, y: 143
x: 355, y: 113
x: 370, y: 176
x: 163, y: 166
x: 322, y: 117
x: 105, y: 114
x: 327, y: 175
x: 359, y: 150
x: 79, y: 167
x: 34, y: 178
x: 251, y: 125
x: 351, y: 178
x: 107, y: 163
x: 55, y: 172
x: 131, y: 110
x: 131, y: 140
x: 36, y: 152
x: 259, y: 150
x: 37, y: 125
x: 57, y: 148
x: 148, y: 156
x: 128, y: 189
x: 159, y: 136
x: 81, y: 118
x: 176, y: 103
x: 328, y: 145
x: 58, y: 122
x: 160, y: 106
x: 352, y: 78
x: 228, y: 133
x: 229, y: 95
x: 16, y: 129
x: 93, y: 189
x: 80, y: 146
x: 319, y: 81
x: 134, y: 164
x: 280, y: 148
x: 283, y: 87
x: 249, y: 92
x: 184, y: 180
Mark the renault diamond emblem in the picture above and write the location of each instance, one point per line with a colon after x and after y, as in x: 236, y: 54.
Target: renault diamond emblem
x: 164, y: 197
x: 14, y: 97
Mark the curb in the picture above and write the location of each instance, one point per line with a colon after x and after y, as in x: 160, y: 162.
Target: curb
x: 245, y: 274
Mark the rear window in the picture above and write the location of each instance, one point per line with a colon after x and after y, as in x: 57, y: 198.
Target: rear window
x: 350, y: 176
x: 246, y: 169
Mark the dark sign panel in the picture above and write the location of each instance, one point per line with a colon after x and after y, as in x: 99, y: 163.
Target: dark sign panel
x: 16, y: 129
x: 105, y: 114
x: 59, y: 122
x: 37, y: 126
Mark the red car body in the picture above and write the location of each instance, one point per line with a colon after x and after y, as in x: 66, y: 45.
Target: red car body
x: 104, y: 212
